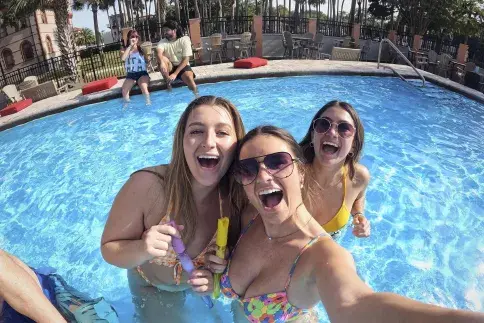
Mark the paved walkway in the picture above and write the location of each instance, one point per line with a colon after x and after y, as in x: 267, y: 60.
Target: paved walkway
x: 225, y: 72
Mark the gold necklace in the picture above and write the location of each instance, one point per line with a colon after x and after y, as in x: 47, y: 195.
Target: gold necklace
x: 287, y: 235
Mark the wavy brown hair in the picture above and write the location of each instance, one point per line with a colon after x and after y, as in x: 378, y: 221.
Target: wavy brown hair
x: 180, y: 205
x: 358, y: 139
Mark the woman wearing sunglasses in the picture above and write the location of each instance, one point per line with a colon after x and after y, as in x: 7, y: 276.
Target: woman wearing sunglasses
x: 135, y: 63
x: 194, y: 190
x: 336, y: 182
x: 285, y: 263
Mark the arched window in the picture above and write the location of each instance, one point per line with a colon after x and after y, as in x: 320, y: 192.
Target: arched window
x: 27, y: 50
x: 50, y: 48
x: 43, y: 17
x: 8, y: 58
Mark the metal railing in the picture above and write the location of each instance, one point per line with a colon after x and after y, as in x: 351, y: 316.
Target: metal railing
x: 226, y: 26
x: 91, y: 64
x: 278, y: 25
x: 386, y: 40
x: 333, y: 28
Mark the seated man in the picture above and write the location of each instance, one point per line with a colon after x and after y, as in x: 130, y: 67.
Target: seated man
x: 174, y: 52
x: 30, y: 295
x: 25, y: 296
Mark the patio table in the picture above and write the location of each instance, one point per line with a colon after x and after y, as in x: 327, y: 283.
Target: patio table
x: 231, y: 39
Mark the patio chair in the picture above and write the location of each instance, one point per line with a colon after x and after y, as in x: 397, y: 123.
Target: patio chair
x: 44, y: 91
x: 421, y: 61
x: 433, y: 58
x: 345, y: 54
x: 12, y: 93
x: 443, y: 65
x: 289, y: 44
x: 197, y: 53
x: 4, y: 100
x: 346, y: 42
x: 215, y: 47
x: 460, y: 72
x: 244, y: 45
x: 317, y: 47
x: 365, y: 49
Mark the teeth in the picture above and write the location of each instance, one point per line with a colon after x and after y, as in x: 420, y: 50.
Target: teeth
x: 208, y: 157
x: 269, y: 191
x: 330, y: 143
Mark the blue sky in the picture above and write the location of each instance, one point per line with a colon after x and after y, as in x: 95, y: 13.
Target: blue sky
x: 84, y: 19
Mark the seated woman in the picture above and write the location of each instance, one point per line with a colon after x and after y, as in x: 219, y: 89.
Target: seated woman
x: 135, y: 63
x: 337, y: 182
x: 194, y: 189
x: 285, y: 263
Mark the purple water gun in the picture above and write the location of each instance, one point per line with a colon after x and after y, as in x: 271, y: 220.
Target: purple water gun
x: 185, y: 260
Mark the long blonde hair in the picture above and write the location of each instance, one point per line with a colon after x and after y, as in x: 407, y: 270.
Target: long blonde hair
x: 180, y: 204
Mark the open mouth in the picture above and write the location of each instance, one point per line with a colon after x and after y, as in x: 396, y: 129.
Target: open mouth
x: 330, y: 148
x: 270, y: 198
x: 207, y: 161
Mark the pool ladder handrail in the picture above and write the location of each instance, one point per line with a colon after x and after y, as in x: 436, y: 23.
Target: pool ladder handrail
x: 401, y: 54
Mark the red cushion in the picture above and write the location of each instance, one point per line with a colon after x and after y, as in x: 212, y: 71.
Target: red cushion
x: 250, y: 62
x: 15, y: 107
x: 99, y: 85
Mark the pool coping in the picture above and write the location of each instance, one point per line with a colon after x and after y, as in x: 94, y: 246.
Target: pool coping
x: 226, y: 72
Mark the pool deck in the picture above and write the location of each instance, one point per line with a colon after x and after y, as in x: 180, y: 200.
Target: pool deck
x: 226, y: 72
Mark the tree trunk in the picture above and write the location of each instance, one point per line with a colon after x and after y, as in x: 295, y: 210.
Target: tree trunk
x: 220, y: 9
x: 177, y: 10
x: 116, y: 21
x: 352, y: 13
x: 197, y: 10
x: 162, y: 11
x: 94, y: 8
x: 121, y: 17
x: 65, y: 37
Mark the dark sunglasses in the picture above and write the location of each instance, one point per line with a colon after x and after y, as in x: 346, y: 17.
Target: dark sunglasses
x: 134, y: 37
x: 345, y: 129
x: 279, y: 165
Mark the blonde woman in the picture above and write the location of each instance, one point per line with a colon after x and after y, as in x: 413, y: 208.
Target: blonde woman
x: 193, y: 190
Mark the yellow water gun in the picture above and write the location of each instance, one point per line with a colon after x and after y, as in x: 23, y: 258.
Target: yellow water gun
x: 221, y: 241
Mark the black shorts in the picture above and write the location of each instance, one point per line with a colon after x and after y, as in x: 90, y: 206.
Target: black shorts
x: 187, y: 68
x: 136, y: 75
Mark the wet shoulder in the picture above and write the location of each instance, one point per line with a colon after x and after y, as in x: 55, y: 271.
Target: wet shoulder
x: 362, y: 177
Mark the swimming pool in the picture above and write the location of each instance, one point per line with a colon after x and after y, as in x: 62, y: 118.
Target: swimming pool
x: 424, y: 149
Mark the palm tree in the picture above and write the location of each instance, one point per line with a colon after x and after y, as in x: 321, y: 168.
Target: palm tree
x: 94, y: 5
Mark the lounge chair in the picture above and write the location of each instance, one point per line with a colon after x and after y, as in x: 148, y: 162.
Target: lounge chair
x: 43, y: 91
x: 345, y: 54
x: 12, y: 93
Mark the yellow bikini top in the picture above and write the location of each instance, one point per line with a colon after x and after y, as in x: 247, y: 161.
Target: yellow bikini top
x: 342, y: 216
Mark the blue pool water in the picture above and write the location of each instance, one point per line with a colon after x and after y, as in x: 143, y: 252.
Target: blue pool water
x: 424, y: 149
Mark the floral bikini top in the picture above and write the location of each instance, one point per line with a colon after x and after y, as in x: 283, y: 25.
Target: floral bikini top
x: 171, y: 258
x: 271, y: 307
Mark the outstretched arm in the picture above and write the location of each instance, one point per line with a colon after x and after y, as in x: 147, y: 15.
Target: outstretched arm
x: 348, y: 299
x: 20, y: 288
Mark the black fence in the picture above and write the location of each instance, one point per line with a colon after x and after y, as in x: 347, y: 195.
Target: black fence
x: 440, y: 46
x: 373, y: 33
x: 89, y: 64
x: 227, y: 26
x: 333, y: 28
x: 278, y: 25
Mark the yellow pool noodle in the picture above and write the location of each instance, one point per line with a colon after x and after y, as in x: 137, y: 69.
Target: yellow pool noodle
x: 221, y: 241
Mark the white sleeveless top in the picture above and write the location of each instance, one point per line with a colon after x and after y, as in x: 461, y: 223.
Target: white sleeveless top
x: 135, y: 63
